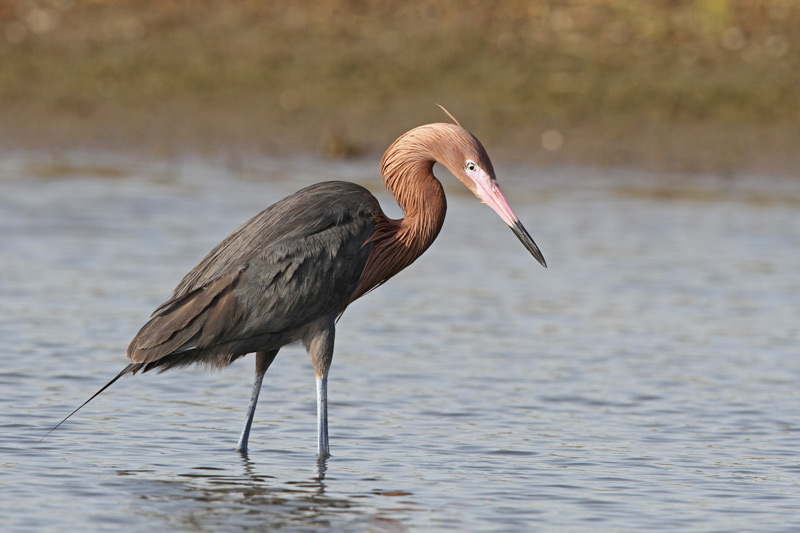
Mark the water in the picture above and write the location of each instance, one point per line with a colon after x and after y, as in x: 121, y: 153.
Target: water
x: 646, y: 381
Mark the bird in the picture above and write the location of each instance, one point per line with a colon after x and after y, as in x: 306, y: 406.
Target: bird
x: 289, y: 273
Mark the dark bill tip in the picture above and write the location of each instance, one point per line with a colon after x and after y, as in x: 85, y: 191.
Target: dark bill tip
x: 527, y: 241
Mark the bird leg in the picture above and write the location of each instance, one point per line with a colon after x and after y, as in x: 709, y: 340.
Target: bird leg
x: 318, y: 342
x: 322, y: 418
x: 263, y: 360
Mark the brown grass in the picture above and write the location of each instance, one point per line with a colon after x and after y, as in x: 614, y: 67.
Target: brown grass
x: 697, y: 85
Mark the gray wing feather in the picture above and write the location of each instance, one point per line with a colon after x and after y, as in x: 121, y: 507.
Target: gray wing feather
x: 294, y: 262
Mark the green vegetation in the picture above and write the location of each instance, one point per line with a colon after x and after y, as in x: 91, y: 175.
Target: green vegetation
x: 676, y: 84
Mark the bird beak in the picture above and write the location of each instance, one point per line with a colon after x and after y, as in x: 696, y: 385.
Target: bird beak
x: 490, y: 193
x: 524, y: 237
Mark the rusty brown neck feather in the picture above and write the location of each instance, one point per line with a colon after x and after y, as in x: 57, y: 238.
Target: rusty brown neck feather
x: 407, y: 167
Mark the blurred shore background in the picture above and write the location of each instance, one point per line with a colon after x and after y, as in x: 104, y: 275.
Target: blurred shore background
x: 692, y: 86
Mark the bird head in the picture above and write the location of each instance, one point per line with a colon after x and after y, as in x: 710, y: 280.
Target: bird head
x: 465, y: 157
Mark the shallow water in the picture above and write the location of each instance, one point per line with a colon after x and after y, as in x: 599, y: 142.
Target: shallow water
x: 648, y: 380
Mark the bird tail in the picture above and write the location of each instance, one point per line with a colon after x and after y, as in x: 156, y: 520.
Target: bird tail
x: 131, y: 368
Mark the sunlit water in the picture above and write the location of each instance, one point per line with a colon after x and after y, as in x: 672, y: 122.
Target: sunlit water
x: 648, y: 380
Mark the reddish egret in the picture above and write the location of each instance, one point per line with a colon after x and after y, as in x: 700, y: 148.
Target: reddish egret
x: 288, y: 273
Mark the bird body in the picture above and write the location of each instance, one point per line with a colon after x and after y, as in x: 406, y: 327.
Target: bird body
x: 254, y: 291
x: 288, y: 273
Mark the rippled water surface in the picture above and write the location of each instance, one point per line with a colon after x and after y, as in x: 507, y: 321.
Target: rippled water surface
x: 648, y: 380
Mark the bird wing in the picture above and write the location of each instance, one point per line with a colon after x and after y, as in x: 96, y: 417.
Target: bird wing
x: 294, y: 262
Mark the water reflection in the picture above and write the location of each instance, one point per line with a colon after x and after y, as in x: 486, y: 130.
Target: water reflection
x: 212, y: 499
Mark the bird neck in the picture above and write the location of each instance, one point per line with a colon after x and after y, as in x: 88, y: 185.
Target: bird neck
x: 398, y: 243
x: 421, y: 197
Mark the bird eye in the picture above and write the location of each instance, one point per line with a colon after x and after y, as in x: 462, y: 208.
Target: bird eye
x: 472, y: 167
